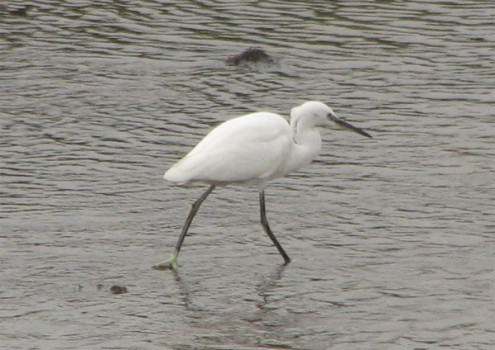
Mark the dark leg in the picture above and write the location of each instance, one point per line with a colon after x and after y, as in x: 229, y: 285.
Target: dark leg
x: 266, y: 227
x: 172, y: 262
x: 190, y: 217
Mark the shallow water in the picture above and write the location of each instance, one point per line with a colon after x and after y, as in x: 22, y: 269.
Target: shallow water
x: 391, y: 238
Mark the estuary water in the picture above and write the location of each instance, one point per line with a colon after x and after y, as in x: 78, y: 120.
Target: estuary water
x: 392, y: 239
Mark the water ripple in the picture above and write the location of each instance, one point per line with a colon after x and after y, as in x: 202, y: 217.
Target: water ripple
x: 391, y: 239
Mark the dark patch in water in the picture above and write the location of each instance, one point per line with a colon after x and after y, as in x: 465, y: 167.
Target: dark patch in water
x: 252, y: 55
x: 118, y: 289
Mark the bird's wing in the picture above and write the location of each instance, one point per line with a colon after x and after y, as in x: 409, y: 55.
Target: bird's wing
x: 248, y: 149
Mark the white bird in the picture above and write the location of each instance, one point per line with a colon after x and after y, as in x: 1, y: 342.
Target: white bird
x: 251, y: 150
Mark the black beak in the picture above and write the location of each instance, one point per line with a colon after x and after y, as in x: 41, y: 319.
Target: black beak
x: 346, y: 125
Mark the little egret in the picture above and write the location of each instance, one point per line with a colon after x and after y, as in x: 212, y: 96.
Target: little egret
x: 251, y: 150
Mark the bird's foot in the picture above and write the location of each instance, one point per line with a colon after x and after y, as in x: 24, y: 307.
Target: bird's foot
x: 169, y: 264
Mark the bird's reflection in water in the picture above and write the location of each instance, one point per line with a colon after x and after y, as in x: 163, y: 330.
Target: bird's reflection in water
x: 266, y: 284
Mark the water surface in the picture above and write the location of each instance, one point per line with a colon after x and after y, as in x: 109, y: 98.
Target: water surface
x: 391, y: 238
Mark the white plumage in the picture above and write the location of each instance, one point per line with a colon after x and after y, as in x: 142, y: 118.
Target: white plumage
x: 253, y: 149
x: 247, y: 149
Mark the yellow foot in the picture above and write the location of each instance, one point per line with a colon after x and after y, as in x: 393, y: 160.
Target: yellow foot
x: 169, y: 264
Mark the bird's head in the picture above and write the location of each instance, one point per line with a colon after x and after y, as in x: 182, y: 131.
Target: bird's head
x: 315, y: 113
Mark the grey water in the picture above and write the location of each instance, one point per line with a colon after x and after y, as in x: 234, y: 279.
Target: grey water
x: 392, y: 239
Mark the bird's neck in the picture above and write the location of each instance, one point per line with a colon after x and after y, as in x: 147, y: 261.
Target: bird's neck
x: 306, y: 146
